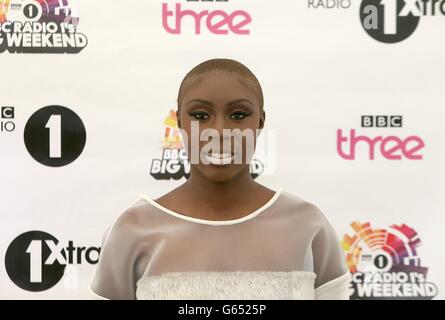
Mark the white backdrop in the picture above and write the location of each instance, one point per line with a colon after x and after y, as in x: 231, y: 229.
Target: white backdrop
x: 320, y: 72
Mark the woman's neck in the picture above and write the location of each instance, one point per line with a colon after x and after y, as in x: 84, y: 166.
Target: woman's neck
x: 221, y: 196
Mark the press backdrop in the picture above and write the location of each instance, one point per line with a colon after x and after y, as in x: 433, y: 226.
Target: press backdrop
x: 354, y: 102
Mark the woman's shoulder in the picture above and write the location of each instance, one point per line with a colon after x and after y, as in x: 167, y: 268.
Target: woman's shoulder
x: 121, y: 249
x: 132, y: 213
x: 305, y: 209
x: 128, y: 221
x: 327, y: 257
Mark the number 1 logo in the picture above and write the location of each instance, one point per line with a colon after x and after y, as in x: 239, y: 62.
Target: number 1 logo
x: 55, y: 132
x: 55, y: 136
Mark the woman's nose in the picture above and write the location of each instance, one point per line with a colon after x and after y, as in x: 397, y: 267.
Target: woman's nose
x: 223, y: 128
x: 220, y: 124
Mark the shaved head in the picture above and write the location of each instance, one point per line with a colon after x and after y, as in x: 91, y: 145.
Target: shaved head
x: 197, y: 74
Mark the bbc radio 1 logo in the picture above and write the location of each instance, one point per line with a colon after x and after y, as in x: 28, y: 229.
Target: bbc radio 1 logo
x: 54, y: 136
x: 217, y: 21
x: 36, y: 260
x: 40, y: 26
x: 389, y: 147
x: 385, y: 264
x: 174, y: 163
x: 392, y: 21
x: 7, y: 119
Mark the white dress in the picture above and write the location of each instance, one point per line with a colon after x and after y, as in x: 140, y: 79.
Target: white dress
x: 284, y: 250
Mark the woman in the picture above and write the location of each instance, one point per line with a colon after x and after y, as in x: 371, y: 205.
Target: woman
x: 221, y: 235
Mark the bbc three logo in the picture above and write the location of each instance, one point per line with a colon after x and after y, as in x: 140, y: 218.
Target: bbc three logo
x: 382, y: 146
x: 7, y: 119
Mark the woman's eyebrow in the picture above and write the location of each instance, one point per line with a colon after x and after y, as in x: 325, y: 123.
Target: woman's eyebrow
x: 238, y: 101
x: 201, y: 101
x: 227, y: 104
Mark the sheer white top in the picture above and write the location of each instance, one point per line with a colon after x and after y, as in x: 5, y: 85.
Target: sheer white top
x: 284, y: 250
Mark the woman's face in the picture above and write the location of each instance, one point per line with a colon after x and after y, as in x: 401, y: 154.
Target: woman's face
x: 217, y: 101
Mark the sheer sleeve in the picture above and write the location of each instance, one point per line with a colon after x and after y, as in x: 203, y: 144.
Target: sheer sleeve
x: 116, y: 275
x: 329, y: 263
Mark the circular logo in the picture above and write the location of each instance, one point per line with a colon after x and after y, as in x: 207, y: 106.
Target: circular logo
x: 388, y: 21
x: 55, y: 136
x: 32, y: 10
x: 33, y: 262
x: 382, y: 261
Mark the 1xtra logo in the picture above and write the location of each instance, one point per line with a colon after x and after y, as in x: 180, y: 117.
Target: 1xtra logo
x: 392, y: 21
x: 36, y: 260
x: 385, y: 265
x: 40, y: 26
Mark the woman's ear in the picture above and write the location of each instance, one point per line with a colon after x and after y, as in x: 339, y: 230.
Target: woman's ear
x: 178, y: 119
x: 262, y: 120
x: 261, y: 124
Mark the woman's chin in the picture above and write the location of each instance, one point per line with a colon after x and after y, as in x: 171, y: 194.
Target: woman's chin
x: 219, y: 173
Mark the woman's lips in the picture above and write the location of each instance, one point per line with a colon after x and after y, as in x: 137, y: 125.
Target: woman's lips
x: 219, y: 159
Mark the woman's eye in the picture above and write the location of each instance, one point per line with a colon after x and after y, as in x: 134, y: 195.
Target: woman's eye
x: 199, y: 115
x: 239, y: 115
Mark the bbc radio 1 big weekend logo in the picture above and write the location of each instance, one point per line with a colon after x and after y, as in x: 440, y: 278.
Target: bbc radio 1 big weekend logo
x: 385, y: 263
x: 388, y: 21
x: 40, y: 26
